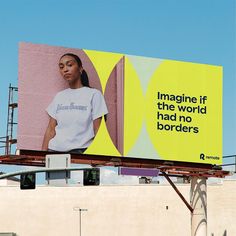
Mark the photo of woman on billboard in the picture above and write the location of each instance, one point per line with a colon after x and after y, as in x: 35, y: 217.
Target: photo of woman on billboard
x: 75, y: 113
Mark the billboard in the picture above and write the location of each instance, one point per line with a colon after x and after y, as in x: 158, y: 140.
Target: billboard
x: 154, y: 108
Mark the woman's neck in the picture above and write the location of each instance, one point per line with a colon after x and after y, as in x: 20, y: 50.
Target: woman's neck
x: 77, y: 84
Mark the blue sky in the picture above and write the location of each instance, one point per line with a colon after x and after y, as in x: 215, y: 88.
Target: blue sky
x: 201, y: 31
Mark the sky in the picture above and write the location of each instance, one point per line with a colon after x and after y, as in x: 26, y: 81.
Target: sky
x: 202, y: 31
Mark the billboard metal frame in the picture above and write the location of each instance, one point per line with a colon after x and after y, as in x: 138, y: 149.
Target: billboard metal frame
x: 172, y: 168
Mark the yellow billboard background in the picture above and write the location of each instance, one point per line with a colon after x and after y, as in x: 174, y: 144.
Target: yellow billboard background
x: 172, y: 109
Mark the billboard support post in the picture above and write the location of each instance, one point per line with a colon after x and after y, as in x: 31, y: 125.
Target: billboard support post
x: 178, y: 192
x: 198, y: 198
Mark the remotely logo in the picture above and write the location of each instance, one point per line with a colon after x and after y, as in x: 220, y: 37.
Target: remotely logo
x: 202, y: 156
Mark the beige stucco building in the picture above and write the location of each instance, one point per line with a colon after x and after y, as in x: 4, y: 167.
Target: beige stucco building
x: 141, y: 210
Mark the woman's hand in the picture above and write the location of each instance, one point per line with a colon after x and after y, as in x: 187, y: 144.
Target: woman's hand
x: 49, y: 134
x: 96, y: 124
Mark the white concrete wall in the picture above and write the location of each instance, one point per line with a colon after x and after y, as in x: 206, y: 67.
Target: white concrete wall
x: 112, y: 210
x: 222, y: 209
x: 6, y: 182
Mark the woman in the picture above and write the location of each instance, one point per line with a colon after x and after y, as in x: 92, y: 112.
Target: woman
x: 75, y: 113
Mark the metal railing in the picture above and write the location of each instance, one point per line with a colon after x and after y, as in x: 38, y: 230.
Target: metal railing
x: 4, y: 142
x: 232, y: 163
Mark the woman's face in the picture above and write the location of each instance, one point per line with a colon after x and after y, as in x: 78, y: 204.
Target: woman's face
x: 70, y: 69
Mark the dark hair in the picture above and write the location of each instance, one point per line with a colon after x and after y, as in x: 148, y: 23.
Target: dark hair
x: 84, y: 75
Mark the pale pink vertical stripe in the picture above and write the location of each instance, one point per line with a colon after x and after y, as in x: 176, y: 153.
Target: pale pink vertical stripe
x: 120, y: 105
x: 114, y: 95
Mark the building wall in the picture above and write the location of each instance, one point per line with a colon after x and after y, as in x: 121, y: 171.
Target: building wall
x: 6, y: 182
x: 112, y: 210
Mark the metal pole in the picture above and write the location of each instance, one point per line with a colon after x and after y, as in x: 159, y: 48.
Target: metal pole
x: 39, y: 170
x: 80, y: 218
x: 7, y: 145
x: 177, y: 191
x: 235, y: 165
x: 198, y: 199
x: 80, y: 222
x: 7, y: 151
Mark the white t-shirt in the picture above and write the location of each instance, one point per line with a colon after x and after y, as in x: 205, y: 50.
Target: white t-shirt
x: 75, y: 110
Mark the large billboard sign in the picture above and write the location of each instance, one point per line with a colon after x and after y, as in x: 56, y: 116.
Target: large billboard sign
x: 135, y: 106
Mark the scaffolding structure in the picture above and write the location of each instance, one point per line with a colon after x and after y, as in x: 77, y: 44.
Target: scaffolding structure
x: 8, y: 140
